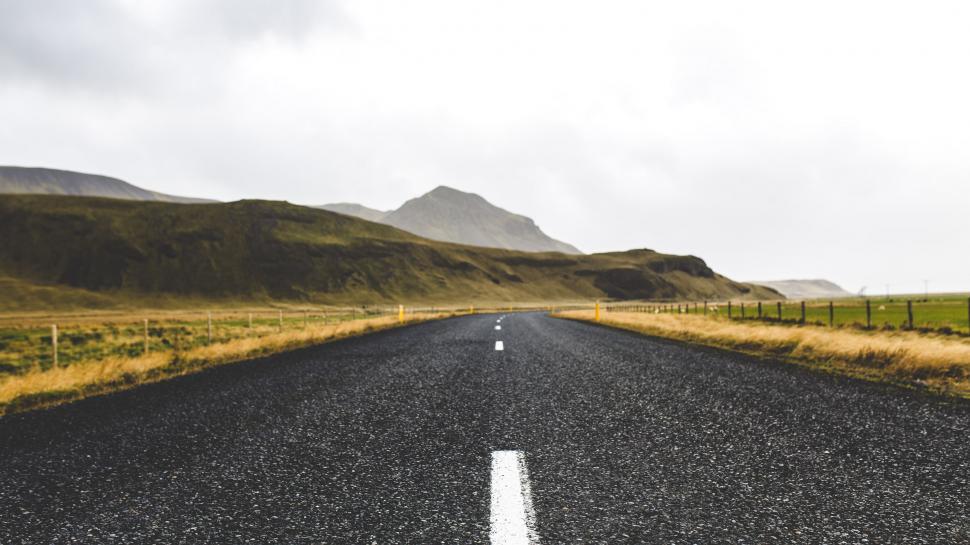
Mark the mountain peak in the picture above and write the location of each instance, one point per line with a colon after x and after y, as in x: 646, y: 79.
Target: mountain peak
x: 452, y: 215
x: 451, y: 194
x: 445, y: 190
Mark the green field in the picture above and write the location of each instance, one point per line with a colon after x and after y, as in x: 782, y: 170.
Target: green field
x: 940, y: 313
x: 26, y: 344
x: 935, y: 312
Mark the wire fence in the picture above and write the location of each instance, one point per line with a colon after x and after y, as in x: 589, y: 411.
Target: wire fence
x: 67, y: 339
x: 948, y: 316
x: 70, y: 339
x: 44, y: 342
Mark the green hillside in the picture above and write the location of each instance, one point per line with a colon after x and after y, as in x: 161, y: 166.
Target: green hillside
x: 90, y: 252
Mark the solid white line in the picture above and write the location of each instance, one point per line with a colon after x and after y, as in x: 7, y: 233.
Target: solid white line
x: 499, y: 345
x: 498, y: 328
x: 513, y: 520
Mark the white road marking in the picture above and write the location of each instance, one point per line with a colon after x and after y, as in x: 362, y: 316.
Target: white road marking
x: 513, y: 520
x: 498, y: 328
x: 499, y: 345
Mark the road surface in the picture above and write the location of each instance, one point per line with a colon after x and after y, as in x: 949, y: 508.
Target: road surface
x: 571, y: 433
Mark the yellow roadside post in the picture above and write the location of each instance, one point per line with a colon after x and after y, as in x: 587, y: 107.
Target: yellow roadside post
x: 400, y: 313
x: 597, y: 311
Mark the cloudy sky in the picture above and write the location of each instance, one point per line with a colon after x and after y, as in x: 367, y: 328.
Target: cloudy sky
x: 773, y: 139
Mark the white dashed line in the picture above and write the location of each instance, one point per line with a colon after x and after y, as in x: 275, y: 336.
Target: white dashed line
x: 498, y: 328
x: 499, y: 345
x: 513, y: 520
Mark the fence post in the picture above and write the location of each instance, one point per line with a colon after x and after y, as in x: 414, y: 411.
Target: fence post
x: 705, y: 308
x: 831, y: 314
x: 868, y: 314
x: 742, y: 310
x: 729, y: 310
x: 280, y: 326
x: 803, y: 313
x: 400, y: 314
x: 779, y: 311
x: 909, y: 313
x: 596, y: 314
x: 759, y: 310
x: 305, y: 318
x: 54, y: 342
x: 146, y: 336
x: 250, y: 320
x: 209, y: 328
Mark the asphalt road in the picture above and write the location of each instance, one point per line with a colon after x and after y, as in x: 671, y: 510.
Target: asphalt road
x: 390, y: 438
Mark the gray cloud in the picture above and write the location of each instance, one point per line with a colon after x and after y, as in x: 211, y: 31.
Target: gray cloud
x: 773, y: 141
x: 105, y: 46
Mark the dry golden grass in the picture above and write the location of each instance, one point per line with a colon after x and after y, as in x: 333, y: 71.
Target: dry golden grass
x: 42, y: 388
x: 908, y: 358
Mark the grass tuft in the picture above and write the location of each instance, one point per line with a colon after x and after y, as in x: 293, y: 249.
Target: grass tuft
x: 941, y: 363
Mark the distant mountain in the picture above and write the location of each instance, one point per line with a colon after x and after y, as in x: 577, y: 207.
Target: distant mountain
x: 806, y: 289
x: 49, y: 181
x: 450, y: 215
x: 356, y: 210
x: 88, y: 252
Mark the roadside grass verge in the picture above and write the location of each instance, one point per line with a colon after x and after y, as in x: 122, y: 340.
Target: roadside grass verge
x: 916, y: 360
x: 41, y: 388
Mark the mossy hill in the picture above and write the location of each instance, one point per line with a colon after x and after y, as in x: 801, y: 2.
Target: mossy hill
x: 87, y: 252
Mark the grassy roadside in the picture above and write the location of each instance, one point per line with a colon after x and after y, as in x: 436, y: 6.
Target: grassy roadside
x: 911, y: 359
x: 41, y: 388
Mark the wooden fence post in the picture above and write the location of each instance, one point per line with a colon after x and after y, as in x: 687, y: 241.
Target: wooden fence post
x: 909, y: 313
x: 759, y: 310
x: 803, y: 313
x: 54, y: 342
x: 209, y: 328
x: 705, y: 308
x: 250, y: 320
x: 868, y: 314
x: 742, y: 310
x: 281, y: 321
x: 831, y: 314
x: 779, y: 311
x: 729, y: 310
x: 146, y: 336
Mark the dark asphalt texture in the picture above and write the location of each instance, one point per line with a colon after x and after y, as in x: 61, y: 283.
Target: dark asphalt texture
x: 387, y: 439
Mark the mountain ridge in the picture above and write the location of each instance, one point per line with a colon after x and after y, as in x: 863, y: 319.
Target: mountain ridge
x: 51, y: 181
x: 817, y: 288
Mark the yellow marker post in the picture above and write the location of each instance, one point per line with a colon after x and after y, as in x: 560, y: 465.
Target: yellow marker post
x: 471, y: 309
x: 400, y: 313
x: 597, y: 311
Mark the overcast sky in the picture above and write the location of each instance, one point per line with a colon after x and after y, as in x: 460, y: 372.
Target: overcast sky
x: 773, y: 139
